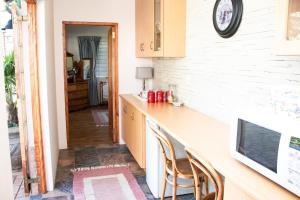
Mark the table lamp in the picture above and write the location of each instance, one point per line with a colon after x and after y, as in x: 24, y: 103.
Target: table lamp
x: 144, y: 73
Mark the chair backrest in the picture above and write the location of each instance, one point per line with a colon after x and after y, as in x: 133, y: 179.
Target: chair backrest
x: 166, y: 147
x: 201, y: 165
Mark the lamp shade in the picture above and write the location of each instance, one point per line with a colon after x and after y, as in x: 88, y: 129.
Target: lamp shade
x: 144, y: 73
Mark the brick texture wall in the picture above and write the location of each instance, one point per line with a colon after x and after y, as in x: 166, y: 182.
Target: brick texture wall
x: 221, y: 76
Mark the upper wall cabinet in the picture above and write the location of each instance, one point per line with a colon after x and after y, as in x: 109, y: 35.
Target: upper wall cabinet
x: 160, y: 28
x: 288, y: 27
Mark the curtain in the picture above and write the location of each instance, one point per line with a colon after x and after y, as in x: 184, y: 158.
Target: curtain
x: 88, y: 48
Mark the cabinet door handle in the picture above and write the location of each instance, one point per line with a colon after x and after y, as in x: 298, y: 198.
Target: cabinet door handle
x: 151, y: 45
x: 125, y: 109
x: 142, y: 46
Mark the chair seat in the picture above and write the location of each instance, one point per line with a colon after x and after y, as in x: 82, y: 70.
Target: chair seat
x: 210, y: 196
x: 183, y: 167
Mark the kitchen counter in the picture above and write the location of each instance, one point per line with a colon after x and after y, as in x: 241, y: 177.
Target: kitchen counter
x: 209, y: 138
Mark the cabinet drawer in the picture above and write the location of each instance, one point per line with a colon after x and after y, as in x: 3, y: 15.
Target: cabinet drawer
x: 78, y: 94
x: 77, y: 87
x: 77, y: 102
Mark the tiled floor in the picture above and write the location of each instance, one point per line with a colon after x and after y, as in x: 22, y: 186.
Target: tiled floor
x: 100, y: 155
x: 86, y: 152
x: 16, y: 163
x: 18, y: 185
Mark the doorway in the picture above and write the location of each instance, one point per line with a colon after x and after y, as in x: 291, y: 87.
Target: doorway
x: 91, y: 83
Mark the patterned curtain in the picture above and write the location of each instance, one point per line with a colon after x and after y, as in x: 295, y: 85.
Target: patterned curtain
x: 88, y: 48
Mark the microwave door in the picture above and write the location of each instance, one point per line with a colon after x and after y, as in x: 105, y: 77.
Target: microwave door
x: 258, y: 144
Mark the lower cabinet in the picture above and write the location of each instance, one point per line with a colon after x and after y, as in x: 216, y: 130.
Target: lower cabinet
x: 134, y: 132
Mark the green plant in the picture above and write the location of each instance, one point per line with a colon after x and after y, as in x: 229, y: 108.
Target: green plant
x: 10, y: 88
x: 9, y: 2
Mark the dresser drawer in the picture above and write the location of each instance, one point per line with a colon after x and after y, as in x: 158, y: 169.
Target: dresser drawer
x: 78, y: 86
x: 78, y: 95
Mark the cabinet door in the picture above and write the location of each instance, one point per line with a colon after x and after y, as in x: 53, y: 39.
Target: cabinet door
x: 140, y: 46
x: 138, y: 144
x: 124, y: 121
x: 174, y: 28
x: 144, y: 28
x: 134, y: 132
x: 158, y: 28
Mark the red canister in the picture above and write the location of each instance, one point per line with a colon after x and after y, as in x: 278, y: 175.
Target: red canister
x: 159, y: 96
x: 151, y: 96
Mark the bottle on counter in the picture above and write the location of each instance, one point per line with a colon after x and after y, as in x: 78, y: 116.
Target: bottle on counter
x: 171, y: 93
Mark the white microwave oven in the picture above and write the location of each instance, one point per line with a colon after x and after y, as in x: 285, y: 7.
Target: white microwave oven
x: 270, y: 145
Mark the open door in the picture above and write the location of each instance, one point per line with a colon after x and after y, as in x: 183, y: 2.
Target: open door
x: 20, y: 90
x: 113, y: 91
x: 113, y: 103
x: 39, y: 168
x: 110, y: 83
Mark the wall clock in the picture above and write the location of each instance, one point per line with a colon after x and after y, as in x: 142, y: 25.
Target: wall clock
x: 227, y: 17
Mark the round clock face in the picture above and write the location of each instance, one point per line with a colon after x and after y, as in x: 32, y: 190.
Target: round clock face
x: 224, y: 14
x: 227, y: 16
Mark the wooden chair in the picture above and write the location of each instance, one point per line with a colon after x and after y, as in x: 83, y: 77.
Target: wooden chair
x: 202, y: 166
x: 177, y: 168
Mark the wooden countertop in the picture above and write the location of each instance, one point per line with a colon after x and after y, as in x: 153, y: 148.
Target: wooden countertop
x: 210, y: 139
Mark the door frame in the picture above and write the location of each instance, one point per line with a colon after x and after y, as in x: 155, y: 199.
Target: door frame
x: 113, y: 78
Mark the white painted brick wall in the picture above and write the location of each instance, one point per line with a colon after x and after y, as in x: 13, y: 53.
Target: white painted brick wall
x: 220, y: 76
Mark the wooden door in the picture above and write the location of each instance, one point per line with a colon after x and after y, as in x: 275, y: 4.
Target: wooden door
x: 110, y: 83
x: 21, y: 102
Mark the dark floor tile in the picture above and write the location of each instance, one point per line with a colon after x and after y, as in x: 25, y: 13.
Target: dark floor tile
x: 86, y: 157
x: 113, y: 149
x: 65, y: 186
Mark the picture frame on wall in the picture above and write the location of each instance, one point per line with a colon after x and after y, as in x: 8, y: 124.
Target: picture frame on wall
x: 86, y: 68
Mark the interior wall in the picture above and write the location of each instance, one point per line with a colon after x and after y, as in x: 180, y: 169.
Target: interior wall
x: 223, y: 76
x: 47, y: 89
x: 117, y: 11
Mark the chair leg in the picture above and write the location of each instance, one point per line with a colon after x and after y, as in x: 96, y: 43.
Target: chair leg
x: 198, y: 187
x: 206, y: 185
x: 164, y: 186
x: 174, y: 186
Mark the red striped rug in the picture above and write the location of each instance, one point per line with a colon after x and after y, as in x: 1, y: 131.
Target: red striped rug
x: 113, y: 183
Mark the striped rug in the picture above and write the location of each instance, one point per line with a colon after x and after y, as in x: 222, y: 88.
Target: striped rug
x: 110, y: 183
x: 100, y: 117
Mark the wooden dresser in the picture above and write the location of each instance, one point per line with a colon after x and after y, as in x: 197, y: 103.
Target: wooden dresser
x: 78, y: 95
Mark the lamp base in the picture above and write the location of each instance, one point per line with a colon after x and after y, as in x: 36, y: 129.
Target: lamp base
x: 143, y: 94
